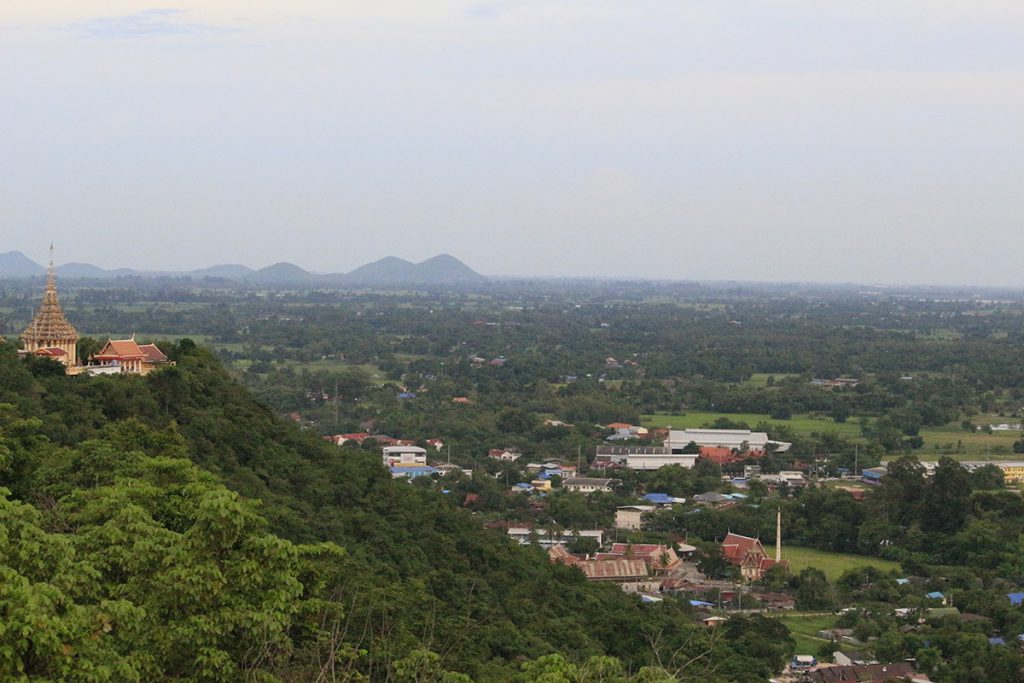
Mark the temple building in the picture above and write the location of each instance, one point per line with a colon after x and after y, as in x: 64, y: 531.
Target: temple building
x: 50, y: 334
x: 126, y: 356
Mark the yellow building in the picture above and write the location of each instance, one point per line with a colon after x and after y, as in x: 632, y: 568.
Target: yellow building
x: 50, y: 334
x: 1013, y: 472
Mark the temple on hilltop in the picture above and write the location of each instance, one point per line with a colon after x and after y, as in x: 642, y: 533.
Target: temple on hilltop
x: 50, y: 334
x: 126, y: 355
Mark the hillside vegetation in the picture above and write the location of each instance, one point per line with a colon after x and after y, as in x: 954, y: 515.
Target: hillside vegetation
x: 170, y: 527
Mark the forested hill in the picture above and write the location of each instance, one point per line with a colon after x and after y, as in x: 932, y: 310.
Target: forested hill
x: 134, y: 547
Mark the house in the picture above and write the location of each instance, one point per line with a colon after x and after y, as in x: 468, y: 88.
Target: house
x: 404, y: 456
x: 851, y: 658
x: 630, y: 573
x: 659, y: 558
x: 749, y: 555
x: 776, y: 601
x: 522, y: 535
x: 505, y: 454
x: 712, y: 498
x: 866, y: 673
x: 802, y: 663
x: 632, y: 431
x: 662, y: 499
x: 874, y: 475
x: 461, y: 399
x: 588, y: 484
x: 342, y: 439
x: 712, y: 622
x: 411, y: 471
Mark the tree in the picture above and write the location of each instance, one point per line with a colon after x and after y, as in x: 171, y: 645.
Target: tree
x: 987, y: 477
x: 813, y: 591
x: 945, y: 505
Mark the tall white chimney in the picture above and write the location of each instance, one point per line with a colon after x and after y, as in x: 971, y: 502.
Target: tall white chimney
x: 778, y: 535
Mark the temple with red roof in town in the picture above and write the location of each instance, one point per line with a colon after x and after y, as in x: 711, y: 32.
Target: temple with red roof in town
x: 749, y: 555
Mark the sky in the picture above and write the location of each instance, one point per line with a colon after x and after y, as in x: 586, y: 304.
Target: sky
x: 767, y: 140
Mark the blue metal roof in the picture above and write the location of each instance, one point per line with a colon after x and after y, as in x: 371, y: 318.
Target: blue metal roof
x: 935, y: 595
x: 661, y: 498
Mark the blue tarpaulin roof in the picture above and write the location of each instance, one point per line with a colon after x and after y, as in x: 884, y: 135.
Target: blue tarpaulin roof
x: 996, y: 640
x: 1016, y: 598
x: 700, y: 603
x: 660, y: 498
x: 935, y: 595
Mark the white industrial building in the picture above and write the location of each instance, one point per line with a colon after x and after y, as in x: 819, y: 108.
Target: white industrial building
x: 403, y: 456
x: 736, y: 439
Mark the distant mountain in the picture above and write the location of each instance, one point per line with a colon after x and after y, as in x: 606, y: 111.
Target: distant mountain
x: 387, y: 270
x: 228, y: 271
x: 442, y: 269
x: 16, y: 264
x: 391, y: 270
x: 280, y: 273
x: 445, y: 268
x: 89, y: 271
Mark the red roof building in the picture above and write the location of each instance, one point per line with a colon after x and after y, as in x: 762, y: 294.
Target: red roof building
x: 748, y: 554
x: 129, y: 356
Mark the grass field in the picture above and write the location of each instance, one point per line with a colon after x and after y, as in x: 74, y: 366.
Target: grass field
x: 804, y: 630
x: 940, y: 441
x: 803, y: 424
x: 833, y: 564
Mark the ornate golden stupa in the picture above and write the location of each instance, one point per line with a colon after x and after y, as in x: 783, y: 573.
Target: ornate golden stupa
x: 50, y: 333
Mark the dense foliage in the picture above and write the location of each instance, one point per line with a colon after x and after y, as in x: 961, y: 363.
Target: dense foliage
x: 134, y: 548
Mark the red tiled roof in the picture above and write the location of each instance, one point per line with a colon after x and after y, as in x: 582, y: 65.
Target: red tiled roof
x: 152, y: 353
x: 51, y: 351
x: 619, y: 425
x: 736, y: 547
x: 121, y: 348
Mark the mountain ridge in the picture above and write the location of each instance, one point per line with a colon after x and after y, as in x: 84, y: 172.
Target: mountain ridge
x: 390, y: 270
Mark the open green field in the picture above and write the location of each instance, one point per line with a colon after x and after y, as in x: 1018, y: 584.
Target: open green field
x: 800, y: 423
x: 804, y: 629
x: 939, y: 441
x: 833, y: 564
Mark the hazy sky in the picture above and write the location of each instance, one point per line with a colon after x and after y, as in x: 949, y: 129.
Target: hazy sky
x: 860, y: 140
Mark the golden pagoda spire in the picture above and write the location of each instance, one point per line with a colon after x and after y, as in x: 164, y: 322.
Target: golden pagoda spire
x: 49, y: 328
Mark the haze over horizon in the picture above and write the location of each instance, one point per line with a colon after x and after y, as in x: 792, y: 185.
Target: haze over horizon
x: 780, y: 140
